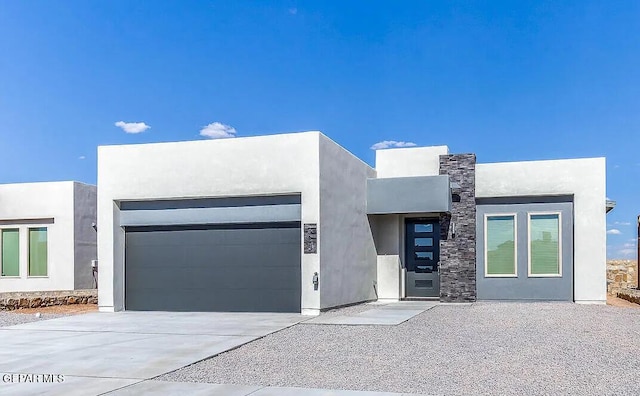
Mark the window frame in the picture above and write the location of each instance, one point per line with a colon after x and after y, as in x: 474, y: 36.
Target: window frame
x: 1, y: 249
x: 559, y: 274
x: 28, y: 229
x: 514, y: 215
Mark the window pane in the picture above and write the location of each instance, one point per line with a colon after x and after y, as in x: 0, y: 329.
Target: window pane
x: 10, y: 252
x: 423, y: 228
x: 424, y: 255
x: 423, y: 241
x: 37, y: 252
x: 500, y: 245
x: 544, y: 237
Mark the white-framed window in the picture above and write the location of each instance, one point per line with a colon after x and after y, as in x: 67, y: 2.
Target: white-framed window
x: 544, y: 244
x: 500, y: 245
x: 38, y: 251
x: 9, y: 252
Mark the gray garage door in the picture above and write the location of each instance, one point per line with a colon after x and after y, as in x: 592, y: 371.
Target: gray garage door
x: 248, y: 268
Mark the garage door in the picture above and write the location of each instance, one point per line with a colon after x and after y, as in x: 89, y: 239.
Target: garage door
x: 213, y: 268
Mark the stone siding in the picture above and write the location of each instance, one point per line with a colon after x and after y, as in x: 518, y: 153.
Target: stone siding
x: 621, y: 275
x: 18, y: 300
x: 458, y: 253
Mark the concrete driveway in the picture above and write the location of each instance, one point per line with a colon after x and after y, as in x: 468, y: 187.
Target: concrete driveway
x: 100, y: 352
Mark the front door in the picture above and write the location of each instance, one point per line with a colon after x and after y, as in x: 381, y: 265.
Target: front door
x: 422, y: 257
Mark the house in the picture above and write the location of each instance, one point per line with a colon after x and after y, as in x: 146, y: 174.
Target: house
x: 296, y: 223
x: 47, y: 239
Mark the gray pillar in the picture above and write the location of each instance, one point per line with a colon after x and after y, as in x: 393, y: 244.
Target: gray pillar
x: 458, y: 252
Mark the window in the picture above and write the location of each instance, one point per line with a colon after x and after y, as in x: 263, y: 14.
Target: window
x: 544, y: 245
x: 422, y: 242
x: 500, y: 245
x: 10, y: 258
x: 423, y: 255
x: 423, y: 227
x: 38, y: 251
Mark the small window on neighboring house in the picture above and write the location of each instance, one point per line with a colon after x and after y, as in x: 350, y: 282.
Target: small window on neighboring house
x: 38, y: 251
x: 545, y: 245
x: 10, y: 257
x: 500, y: 246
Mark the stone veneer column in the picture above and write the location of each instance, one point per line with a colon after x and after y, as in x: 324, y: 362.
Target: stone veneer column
x: 458, y: 254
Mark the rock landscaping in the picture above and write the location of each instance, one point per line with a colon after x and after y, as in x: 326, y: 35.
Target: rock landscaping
x: 14, y: 301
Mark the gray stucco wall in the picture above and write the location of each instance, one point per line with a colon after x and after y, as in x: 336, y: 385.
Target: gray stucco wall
x: 387, y: 233
x: 84, y: 236
x: 418, y: 194
x: 347, y: 252
x: 524, y: 287
x: 458, y: 254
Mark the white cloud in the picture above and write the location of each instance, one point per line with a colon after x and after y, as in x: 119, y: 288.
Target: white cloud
x: 391, y: 143
x: 627, y: 252
x: 614, y: 231
x: 82, y: 157
x: 218, y: 130
x: 132, y: 127
x: 629, y: 245
x: 622, y: 223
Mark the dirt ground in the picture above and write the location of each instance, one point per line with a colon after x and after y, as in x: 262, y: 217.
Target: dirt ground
x: 72, y: 309
x: 619, y: 302
x: 84, y: 308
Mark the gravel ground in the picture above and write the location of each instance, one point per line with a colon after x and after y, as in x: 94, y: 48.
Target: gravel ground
x: 12, y: 318
x: 484, y: 348
x: 28, y: 315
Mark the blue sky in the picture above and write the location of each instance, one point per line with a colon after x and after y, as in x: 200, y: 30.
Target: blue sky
x: 508, y: 80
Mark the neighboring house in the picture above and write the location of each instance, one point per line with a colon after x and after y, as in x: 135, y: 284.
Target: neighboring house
x: 296, y: 223
x: 47, y: 239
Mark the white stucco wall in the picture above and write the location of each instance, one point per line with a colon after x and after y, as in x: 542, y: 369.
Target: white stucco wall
x: 27, y: 201
x: 390, y: 275
x: 409, y: 161
x: 585, y: 179
x: 346, y: 246
x: 276, y: 164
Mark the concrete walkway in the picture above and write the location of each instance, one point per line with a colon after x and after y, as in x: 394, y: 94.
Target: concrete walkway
x: 85, y: 386
x: 100, y: 352
x: 390, y: 314
x: 187, y: 388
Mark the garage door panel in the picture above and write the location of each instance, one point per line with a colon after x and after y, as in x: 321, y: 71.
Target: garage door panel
x: 233, y: 301
x: 238, y: 236
x: 190, y: 300
x: 240, y: 255
x: 214, y: 270
x: 229, y: 278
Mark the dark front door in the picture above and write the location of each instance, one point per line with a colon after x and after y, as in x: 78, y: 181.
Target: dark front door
x: 422, y: 256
